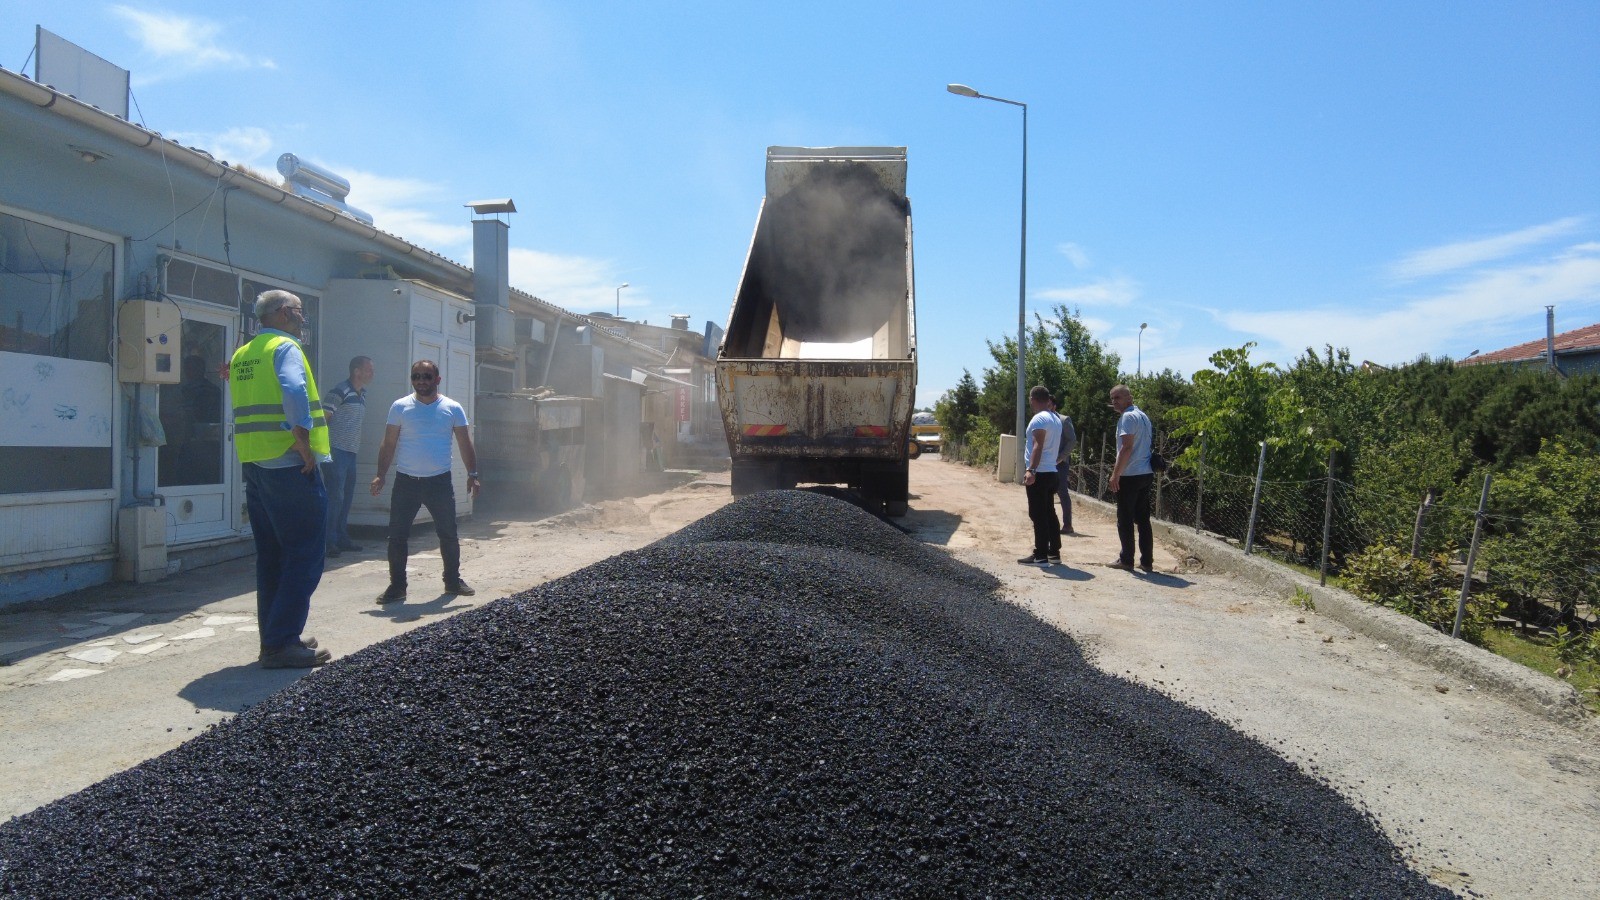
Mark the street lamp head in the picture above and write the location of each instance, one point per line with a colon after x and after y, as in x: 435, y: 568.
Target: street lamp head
x: 961, y: 89
x: 1143, y: 325
x: 622, y: 285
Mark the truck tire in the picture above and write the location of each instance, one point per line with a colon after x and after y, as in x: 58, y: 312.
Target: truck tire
x: 897, y: 492
x: 913, y: 450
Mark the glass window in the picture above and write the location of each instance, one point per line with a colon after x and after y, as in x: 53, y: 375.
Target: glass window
x: 56, y: 302
x: 55, y: 291
x: 185, y: 279
x: 192, y: 411
x: 308, y: 302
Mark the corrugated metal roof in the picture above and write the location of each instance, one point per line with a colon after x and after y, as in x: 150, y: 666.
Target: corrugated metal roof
x: 56, y: 102
x: 1580, y: 340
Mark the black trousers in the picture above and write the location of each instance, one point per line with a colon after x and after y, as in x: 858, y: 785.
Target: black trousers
x: 439, y: 496
x: 1133, y: 510
x: 1042, y: 512
x: 1065, y: 493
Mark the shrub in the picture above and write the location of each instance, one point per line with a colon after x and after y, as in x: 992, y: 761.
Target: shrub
x: 1424, y: 589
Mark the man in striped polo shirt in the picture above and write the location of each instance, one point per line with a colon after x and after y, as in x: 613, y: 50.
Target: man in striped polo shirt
x: 346, y: 409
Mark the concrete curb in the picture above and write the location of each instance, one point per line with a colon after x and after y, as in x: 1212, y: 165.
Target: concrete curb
x: 1534, y: 692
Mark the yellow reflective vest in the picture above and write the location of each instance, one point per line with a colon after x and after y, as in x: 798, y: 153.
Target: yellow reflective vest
x: 260, y: 429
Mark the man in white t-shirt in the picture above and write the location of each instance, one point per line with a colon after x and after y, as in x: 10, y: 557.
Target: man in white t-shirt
x: 1043, y: 446
x: 417, y: 441
x: 1131, y: 480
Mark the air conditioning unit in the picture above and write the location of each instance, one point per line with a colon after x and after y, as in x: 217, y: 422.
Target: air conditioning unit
x: 530, y: 330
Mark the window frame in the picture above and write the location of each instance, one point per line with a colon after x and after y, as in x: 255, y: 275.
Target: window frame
x: 118, y: 425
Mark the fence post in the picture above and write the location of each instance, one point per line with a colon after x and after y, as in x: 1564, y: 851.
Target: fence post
x: 1255, y: 502
x: 1159, y: 479
x: 1327, y: 521
x: 1103, y: 473
x: 1416, y: 530
x: 1472, y: 556
x: 1200, y: 484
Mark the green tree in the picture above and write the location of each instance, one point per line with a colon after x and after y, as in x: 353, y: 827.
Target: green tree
x: 1158, y: 393
x: 1542, y: 542
x: 1090, y: 373
x: 957, y: 411
x: 1239, y: 404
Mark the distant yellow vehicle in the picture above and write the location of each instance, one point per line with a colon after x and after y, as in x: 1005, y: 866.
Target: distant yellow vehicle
x: 926, y: 431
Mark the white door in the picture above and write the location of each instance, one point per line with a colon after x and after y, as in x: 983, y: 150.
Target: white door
x: 196, y: 472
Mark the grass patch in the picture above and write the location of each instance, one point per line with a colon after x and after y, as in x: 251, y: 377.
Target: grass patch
x: 1539, y: 654
x: 1535, y: 652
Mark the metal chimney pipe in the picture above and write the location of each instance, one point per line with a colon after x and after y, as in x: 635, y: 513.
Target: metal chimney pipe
x: 491, y: 270
x: 1550, y: 337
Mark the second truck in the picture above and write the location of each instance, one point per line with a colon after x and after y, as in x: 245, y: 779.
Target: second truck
x: 817, y: 374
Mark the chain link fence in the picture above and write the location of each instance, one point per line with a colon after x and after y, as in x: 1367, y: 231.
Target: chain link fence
x: 1537, y: 573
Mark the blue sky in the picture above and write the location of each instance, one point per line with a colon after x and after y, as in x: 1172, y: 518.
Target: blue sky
x: 1397, y: 178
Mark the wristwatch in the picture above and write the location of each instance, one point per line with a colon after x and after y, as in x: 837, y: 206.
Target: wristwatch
x: 473, y: 475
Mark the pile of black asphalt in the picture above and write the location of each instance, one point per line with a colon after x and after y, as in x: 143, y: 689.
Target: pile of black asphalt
x: 786, y: 698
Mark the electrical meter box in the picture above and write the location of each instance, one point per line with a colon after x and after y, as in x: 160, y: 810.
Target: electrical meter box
x: 148, y: 349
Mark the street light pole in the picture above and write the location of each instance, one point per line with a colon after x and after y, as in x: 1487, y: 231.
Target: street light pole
x: 619, y: 298
x: 1022, y: 275
x: 1138, y: 371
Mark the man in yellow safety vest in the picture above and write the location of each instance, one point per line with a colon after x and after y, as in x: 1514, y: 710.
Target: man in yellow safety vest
x: 281, y: 435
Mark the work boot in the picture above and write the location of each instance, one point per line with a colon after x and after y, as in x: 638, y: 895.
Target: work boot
x: 295, y: 656
x: 459, y: 587
x: 392, y: 594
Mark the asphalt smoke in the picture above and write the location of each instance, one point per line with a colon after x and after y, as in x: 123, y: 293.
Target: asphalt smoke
x: 830, y: 254
x: 787, y: 697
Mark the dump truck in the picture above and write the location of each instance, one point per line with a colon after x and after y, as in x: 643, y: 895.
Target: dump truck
x: 817, y: 372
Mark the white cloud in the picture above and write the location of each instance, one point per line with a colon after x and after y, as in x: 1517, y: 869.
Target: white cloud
x: 1464, y: 254
x: 184, y: 44
x: 247, y: 144
x: 1569, y: 278
x: 1075, y: 254
x: 1097, y: 327
x: 580, y: 284
x: 407, y: 207
x: 1115, y: 291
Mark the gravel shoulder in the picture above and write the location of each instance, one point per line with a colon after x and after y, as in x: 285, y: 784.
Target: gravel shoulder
x: 1482, y: 796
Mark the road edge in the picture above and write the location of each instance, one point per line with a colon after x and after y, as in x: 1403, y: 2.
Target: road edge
x: 1485, y: 670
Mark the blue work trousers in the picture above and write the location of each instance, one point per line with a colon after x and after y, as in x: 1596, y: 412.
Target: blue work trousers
x: 288, y: 512
x: 340, y: 476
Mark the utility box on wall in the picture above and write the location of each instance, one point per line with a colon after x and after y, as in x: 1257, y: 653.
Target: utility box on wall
x: 148, y: 346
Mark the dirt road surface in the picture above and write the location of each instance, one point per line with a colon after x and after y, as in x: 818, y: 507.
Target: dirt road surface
x: 1481, y: 796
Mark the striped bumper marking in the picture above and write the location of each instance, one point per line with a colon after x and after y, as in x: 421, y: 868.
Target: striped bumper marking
x: 765, y: 430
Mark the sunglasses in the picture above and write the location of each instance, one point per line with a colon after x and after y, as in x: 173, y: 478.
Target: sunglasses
x: 424, y: 376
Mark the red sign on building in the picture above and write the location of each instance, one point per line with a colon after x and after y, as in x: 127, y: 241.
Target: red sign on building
x: 683, y: 404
